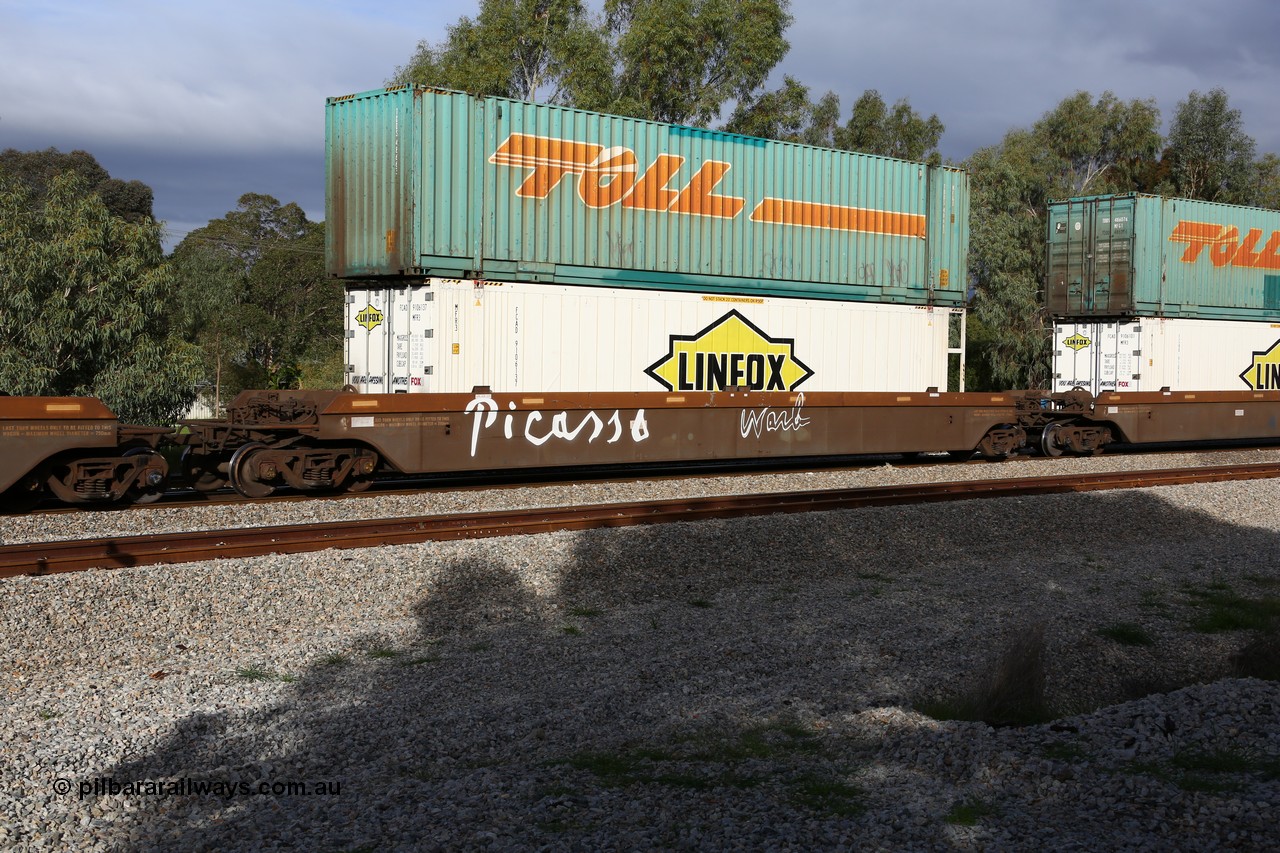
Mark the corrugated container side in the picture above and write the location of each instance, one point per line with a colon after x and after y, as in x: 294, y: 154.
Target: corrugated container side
x: 1181, y: 354
x: 509, y: 190
x: 448, y: 336
x: 372, y: 150
x: 1139, y: 255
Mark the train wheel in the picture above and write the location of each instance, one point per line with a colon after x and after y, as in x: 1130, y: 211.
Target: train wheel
x: 153, y: 479
x: 201, y: 471
x: 244, y: 474
x: 362, y: 477
x: 1049, y: 441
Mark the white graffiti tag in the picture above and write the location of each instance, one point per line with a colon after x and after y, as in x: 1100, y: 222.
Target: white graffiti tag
x: 758, y: 421
x: 485, y: 411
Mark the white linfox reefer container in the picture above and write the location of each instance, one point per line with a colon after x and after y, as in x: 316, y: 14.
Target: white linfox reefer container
x: 450, y: 336
x: 1151, y: 353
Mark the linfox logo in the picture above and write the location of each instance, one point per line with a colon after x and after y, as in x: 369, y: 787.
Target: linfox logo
x: 1077, y: 341
x: 1264, y: 373
x: 1225, y: 246
x: 369, y: 317
x: 730, y: 353
x: 612, y: 176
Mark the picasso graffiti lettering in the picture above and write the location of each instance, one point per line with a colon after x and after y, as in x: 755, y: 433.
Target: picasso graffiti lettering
x: 484, y: 411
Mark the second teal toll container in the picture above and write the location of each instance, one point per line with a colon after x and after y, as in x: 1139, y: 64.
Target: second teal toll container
x: 1137, y: 255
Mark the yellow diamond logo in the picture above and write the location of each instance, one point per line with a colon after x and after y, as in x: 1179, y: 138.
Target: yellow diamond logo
x: 370, y: 318
x: 1264, y: 373
x: 730, y: 353
x: 1077, y: 341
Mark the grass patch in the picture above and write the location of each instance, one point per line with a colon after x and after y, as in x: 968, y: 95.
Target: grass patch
x: 482, y: 646
x: 419, y: 661
x: 969, y: 812
x: 1064, y: 752
x: 585, y: 612
x: 830, y: 796
x: 257, y: 673
x: 1219, y: 761
x: 1127, y: 634
x: 382, y: 652
x: 335, y: 659
x: 700, y: 602
x: 1222, y: 609
x: 1213, y: 772
x: 1010, y: 693
x: 46, y: 714
x: 706, y: 762
x: 571, y: 630
x: 1260, y: 658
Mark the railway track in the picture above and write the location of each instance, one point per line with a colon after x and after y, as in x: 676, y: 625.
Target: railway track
x: 118, y: 552
x: 186, y: 498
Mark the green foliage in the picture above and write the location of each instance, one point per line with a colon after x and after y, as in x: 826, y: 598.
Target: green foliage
x: 547, y: 50
x: 677, y: 61
x: 1266, y: 190
x: 1210, y: 154
x: 82, y: 310
x: 1081, y: 146
x: 129, y: 200
x: 898, y: 132
x: 788, y: 114
x: 680, y: 61
x: 256, y: 300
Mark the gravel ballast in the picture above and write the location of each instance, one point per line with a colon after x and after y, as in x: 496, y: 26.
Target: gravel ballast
x: 744, y: 684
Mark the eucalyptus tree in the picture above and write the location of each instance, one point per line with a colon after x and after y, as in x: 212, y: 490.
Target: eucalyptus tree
x: 679, y: 61
x: 256, y: 299
x: 1082, y: 146
x: 84, y: 307
x: 1210, y: 155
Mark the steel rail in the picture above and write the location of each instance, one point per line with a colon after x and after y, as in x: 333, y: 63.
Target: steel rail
x: 192, y: 546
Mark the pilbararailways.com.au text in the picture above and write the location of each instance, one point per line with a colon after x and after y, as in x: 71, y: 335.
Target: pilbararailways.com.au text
x: 103, y: 786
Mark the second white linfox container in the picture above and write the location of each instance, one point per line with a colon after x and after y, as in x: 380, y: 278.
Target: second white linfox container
x: 450, y: 336
x: 1151, y: 353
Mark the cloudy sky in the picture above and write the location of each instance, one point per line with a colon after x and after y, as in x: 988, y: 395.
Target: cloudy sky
x: 206, y: 101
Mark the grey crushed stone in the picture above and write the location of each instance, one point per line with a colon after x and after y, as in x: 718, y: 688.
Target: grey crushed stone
x: 746, y: 684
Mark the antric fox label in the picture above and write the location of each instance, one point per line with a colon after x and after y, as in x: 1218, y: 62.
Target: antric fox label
x: 730, y: 353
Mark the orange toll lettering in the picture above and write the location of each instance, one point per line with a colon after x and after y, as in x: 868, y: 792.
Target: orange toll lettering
x: 1225, y: 246
x: 612, y: 176
x: 697, y: 199
x: 609, y: 178
x: 651, y: 192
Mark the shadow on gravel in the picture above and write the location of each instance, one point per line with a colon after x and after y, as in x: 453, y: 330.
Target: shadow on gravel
x: 693, y: 684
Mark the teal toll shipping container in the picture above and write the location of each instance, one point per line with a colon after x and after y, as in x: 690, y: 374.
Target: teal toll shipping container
x: 429, y: 182
x: 1145, y: 256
